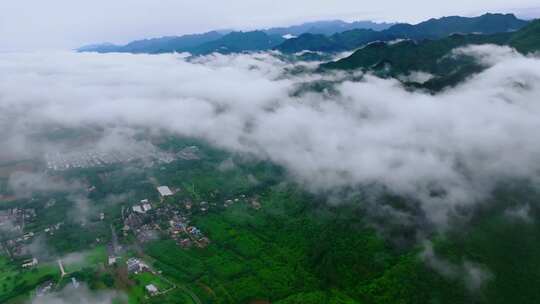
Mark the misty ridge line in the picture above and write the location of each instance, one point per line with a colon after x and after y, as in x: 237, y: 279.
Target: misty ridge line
x: 323, y: 36
x: 194, y: 40
x: 459, y: 143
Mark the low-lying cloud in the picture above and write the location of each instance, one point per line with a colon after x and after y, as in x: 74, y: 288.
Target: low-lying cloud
x: 473, y: 275
x: 457, y: 144
x: 25, y: 184
x: 81, y: 294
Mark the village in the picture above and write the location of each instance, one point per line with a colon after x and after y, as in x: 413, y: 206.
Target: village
x: 148, y: 221
x: 14, y: 237
x: 168, y: 217
x: 88, y: 159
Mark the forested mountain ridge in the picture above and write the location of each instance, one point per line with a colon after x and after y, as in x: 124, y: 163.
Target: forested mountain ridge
x: 237, y: 42
x: 156, y: 45
x: 327, y: 27
x: 431, y: 29
x: 430, y: 56
x: 324, y: 36
x: 198, y: 42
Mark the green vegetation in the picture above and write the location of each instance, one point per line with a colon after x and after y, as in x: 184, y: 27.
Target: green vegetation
x: 407, y: 56
x: 338, y: 42
x: 433, y: 56
x: 16, y: 282
x: 197, y: 44
x: 237, y: 42
x: 138, y: 293
x: 289, y: 251
x: 430, y: 56
x: 294, y: 249
x: 165, y: 44
x: 527, y: 40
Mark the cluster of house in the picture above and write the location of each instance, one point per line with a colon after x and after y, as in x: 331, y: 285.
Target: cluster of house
x: 49, y: 286
x: 185, y: 235
x: 253, y: 202
x: 88, y: 159
x: 14, y: 219
x: 205, y: 206
x: 189, y: 153
x: 12, y: 223
x: 202, y: 206
x: 143, y: 207
x: 136, y: 266
x: 51, y: 229
x: 141, y: 223
x: 16, y: 244
x: 152, y: 289
x: 145, y: 225
x: 44, y: 288
x: 15, y: 248
x: 164, y: 191
x: 29, y: 263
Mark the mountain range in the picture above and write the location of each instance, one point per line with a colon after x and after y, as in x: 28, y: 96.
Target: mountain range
x: 431, y: 29
x: 327, y: 27
x: 227, y: 41
x: 323, y: 36
x: 395, y: 51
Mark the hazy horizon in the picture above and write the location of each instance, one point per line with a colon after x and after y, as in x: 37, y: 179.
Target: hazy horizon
x: 62, y: 24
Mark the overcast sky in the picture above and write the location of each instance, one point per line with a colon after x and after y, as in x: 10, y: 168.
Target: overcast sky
x: 35, y: 24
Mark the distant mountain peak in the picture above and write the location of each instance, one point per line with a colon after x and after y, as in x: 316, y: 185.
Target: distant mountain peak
x: 324, y: 36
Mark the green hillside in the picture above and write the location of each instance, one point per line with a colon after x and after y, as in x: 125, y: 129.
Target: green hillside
x: 393, y: 60
x: 442, y: 27
x: 237, y: 42
x: 528, y: 39
x: 336, y: 43
x: 156, y: 45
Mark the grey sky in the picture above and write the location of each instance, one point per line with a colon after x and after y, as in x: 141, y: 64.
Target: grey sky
x: 31, y: 24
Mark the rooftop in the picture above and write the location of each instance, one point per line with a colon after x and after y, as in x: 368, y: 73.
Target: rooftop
x: 151, y: 288
x: 164, y: 191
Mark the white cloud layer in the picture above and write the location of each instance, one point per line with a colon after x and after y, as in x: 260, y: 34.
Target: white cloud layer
x: 460, y: 142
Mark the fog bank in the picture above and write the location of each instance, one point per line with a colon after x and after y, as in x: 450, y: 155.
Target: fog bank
x: 457, y: 144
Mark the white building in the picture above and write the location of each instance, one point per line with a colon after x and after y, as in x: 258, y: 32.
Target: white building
x: 143, y: 208
x: 30, y: 263
x: 136, y: 266
x: 152, y: 289
x: 164, y: 191
x: 112, y: 260
x: 137, y: 209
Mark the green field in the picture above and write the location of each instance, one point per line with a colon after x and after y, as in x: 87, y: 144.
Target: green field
x: 15, y: 282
